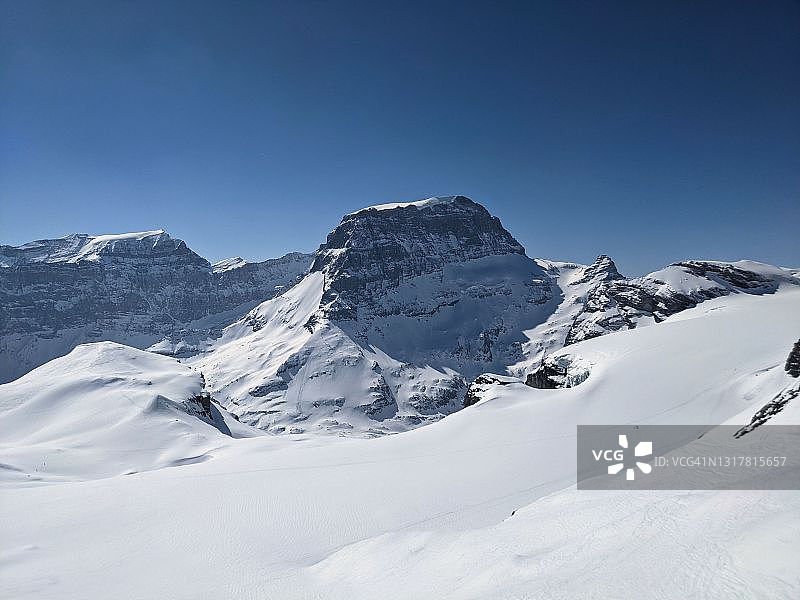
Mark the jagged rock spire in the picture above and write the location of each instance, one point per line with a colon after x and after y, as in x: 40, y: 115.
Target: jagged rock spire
x: 602, y: 269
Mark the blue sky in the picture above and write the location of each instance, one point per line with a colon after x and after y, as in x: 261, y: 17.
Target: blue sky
x: 649, y: 131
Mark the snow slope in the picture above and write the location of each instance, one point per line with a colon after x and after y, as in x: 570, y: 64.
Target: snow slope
x: 587, y: 544
x: 426, y: 513
x: 103, y: 410
x: 302, y: 380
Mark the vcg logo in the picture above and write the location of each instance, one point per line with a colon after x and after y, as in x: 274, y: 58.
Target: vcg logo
x: 617, y: 457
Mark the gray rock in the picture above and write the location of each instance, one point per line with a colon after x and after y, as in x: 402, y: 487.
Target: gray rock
x: 792, y: 366
x: 386, y: 247
x: 483, y: 383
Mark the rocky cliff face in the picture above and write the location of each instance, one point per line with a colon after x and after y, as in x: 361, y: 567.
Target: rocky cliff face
x: 792, y: 366
x: 378, y: 248
x: 138, y: 289
x: 247, y: 283
x: 438, y: 281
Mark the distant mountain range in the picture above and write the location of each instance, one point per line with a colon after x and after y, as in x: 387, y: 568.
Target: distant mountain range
x: 381, y: 330
x: 139, y: 289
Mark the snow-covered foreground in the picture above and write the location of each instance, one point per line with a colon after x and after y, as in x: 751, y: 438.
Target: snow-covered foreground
x: 588, y: 544
x: 426, y: 514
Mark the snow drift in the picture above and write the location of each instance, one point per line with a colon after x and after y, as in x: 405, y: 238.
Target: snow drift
x: 107, y: 409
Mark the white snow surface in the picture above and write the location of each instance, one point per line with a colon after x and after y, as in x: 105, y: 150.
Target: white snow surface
x: 426, y: 514
x: 91, y: 250
x: 228, y: 264
x: 675, y: 278
x: 427, y: 202
x: 77, y: 247
x: 104, y: 409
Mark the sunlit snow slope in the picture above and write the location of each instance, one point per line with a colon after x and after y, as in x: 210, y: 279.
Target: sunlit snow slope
x: 107, y: 409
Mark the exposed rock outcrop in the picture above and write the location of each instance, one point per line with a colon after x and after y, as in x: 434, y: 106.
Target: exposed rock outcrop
x: 769, y: 410
x: 482, y: 384
x: 792, y: 366
x: 546, y: 377
x: 563, y: 371
x: 779, y: 402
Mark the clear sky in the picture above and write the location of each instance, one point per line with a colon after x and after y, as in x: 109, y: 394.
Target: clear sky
x: 651, y: 131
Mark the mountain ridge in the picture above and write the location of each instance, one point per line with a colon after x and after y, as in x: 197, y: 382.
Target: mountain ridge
x: 399, y: 310
x: 139, y: 288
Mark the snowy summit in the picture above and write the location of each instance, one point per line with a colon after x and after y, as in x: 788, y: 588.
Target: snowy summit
x: 426, y: 203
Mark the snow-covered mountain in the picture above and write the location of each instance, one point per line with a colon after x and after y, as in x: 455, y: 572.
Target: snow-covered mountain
x: 407, y: 303
x: 137, y: 288
x: 597, y: 300
x: 404, y: 305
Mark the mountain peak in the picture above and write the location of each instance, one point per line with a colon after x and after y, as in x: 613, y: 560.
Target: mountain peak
x: 359, y: 345
x: 433, y: 227
x: 602, y: 269
x: 379, y: 247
